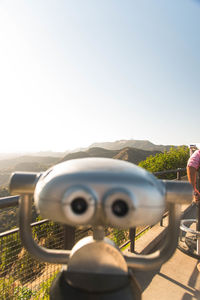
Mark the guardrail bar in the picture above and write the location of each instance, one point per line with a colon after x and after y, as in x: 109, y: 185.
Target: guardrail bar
x: 9, y: 201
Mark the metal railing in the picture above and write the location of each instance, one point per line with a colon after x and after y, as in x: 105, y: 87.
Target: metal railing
x: 177, y: 171
x: 9, y: 201
x: 23, y: 277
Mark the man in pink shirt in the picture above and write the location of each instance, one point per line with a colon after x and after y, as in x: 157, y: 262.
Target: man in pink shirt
x: 192, y: 168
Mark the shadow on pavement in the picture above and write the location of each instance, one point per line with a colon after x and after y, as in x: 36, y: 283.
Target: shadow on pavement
x: 144, y: 278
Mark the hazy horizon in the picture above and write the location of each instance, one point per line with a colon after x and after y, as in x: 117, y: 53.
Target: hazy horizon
x: 81, y: 147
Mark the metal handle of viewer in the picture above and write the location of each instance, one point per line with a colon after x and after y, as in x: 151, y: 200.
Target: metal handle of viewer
x: 156, y: 259
x: 23, y: 182
x: 41, y: 253
x: 177, y: 193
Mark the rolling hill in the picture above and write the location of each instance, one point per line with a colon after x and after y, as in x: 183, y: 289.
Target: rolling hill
x: 134, y: 155
x: 15, y: 162
x: 139, y: 144
x: 24, y: 163
x: 130, y: 150
x: 128, y: 154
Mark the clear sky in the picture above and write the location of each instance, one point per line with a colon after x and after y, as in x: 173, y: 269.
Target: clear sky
x: 77, y: 72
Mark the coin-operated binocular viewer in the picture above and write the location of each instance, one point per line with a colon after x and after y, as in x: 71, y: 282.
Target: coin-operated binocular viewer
x: 99, y: 192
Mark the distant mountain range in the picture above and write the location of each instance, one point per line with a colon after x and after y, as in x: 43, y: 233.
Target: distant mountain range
x: 24, y: 163
x: 117, y: 145
x: 128, y: 154
x: 8, y: 156
x: 139, y: 144
x: 130, y: 150
x: 15, y: 163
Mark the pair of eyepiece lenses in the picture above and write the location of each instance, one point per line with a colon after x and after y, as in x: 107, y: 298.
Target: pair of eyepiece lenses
x: 80, y: 206
x: 119, y: 207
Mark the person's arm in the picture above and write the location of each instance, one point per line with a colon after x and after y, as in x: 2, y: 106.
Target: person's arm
x: 192, y: 176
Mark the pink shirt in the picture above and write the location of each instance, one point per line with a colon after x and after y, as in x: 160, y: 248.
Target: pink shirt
x: 194, y: 160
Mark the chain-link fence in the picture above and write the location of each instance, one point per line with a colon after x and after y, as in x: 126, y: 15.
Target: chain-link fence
x: 22, y: 276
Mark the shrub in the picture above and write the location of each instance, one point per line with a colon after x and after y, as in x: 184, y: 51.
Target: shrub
x: 10, y: 247
x: 119, y: 236
x: 173, y: 159
x: 44, y: 288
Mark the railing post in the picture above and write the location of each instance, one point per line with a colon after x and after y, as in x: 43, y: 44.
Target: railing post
x: 178, y: 174
x: 198, y: 217
x: 69, y: 237
x: 132, y: 233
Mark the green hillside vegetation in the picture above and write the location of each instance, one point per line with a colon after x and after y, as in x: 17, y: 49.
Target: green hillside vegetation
x: 172, y: 159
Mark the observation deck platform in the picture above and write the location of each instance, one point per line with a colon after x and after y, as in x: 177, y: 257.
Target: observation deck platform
x: 177, y: 279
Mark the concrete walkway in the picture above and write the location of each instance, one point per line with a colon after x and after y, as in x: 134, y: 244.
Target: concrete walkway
x: 178, y: 279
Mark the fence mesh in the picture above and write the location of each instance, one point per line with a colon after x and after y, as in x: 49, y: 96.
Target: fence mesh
x: 22, y: 276
x: 8, y: 219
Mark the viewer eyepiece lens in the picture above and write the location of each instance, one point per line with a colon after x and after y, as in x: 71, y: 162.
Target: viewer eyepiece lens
x: 119, y: 208
x: 79, y: 205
